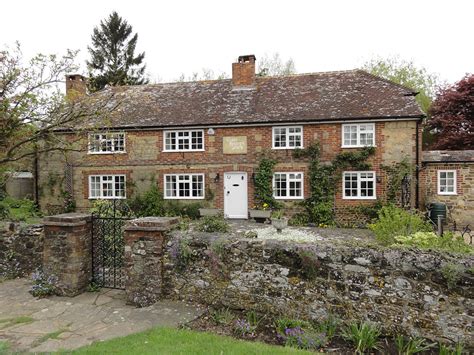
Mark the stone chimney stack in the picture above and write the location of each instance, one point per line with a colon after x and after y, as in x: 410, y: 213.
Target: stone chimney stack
x: 243, y: 72
x: 76, y: 86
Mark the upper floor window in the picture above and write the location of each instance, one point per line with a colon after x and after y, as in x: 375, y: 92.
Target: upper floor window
x: 358, y: 135
x: 107, y: 186
x: 288, y: 186
x: 184, y: 186
x: 359, y: 185
x: 182, y: 141
x: 101, y: 143
x: 447, y: 182
x: 287, y: 137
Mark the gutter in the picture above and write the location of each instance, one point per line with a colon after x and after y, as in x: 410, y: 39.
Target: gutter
x: 260, y: 124
x: 447, y: 162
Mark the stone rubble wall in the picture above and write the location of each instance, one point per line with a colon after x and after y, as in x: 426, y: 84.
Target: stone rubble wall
x: 21, y: 249
x: 403, y: 290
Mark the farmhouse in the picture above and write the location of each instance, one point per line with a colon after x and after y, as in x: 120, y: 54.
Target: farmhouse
x: 202, y: 141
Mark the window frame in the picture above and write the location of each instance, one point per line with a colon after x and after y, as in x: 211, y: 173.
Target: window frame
x: 101, y: 191
x: 190, y: 140
x: 288, y: 197
x: 455, y: 185
x: 358, y: 145
x: 359, y: 197
x: 287, y: 135
x: 89, y: 142
x: 165, y: 190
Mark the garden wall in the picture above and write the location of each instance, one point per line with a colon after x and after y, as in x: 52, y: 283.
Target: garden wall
x: 21, y: 249
x: 405, y: 291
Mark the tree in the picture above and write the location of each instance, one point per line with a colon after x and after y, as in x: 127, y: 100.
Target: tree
x: 406, y: 73
x: 275, y: 66
x: 452, y: 116
x: 206, y: 74
x: 32, y: 106
x: 113, y: 61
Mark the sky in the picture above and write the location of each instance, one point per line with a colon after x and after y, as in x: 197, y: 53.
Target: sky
x: 186, y: 36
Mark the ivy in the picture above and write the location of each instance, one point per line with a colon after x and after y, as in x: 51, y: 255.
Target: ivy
x: 323, y: 179
x: 263, y: 184
x: 396, y: 173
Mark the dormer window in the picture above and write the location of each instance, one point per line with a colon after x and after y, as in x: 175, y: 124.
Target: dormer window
x: 106, y: 143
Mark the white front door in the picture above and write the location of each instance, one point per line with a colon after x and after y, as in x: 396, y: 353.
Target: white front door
x: 235, y: 195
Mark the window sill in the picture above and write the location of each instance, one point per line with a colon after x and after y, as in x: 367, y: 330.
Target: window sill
x: 183, y: 198
x: 183, y: 151
x: 105, y: 153
x: 447, y: 193
x: 359, y: 198
x: 357, y: 146
x: 285, y: 148
x: 288, y: 198
x: 107, y: 198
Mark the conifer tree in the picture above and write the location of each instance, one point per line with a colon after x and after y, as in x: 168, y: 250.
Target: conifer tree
x: 112, y: 55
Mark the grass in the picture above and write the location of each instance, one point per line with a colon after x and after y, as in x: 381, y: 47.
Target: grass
x: 52, y: 335
x: 174, y: 341
x: 9, y: 322
x: 3, y: 347
x: 21, y: 210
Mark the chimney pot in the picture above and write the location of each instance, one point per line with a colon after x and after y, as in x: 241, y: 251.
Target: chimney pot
x: 243, y: 72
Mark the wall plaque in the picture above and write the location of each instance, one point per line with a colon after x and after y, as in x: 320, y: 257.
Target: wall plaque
x: 235, y: 145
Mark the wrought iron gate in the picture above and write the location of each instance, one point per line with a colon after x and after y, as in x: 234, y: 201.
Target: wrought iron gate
x: 107, y: 242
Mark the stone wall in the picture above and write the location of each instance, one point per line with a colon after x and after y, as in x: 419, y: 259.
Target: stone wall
x: 21, y: 249
x: 404, y: 290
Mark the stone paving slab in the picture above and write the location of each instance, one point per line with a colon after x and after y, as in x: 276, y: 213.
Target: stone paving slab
x: 68, y: 323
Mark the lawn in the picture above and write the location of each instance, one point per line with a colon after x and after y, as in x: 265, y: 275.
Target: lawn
x: 174, y: 341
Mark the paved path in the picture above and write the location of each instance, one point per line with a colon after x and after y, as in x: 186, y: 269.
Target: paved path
x: 49, y: 324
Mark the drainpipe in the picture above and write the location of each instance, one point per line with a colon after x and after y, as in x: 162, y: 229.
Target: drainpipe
x: 417, y: 169
x: 35, y: 168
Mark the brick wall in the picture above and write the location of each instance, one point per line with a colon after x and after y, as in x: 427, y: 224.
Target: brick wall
x: 144, y: 161
x: 461, y: 205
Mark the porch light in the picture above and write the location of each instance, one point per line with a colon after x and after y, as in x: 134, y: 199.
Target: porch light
x: 216, y: 179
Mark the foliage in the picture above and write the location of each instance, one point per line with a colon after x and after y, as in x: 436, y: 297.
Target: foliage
x: 452, y: 116
x: 68, y: 202
x: 243, y: 328
x: 253, y: 318
x: 206, y: 74
x: 112, y: 55
x: 274, y: 66
x: 283, y: 323
x: 323, y: 179
x: 43, y: 285
x: 93, y: 287
x: 18, y: 210
x: 299, y: 219
x: 8, y: 322
x: 307, y: 339
x: 181, y: 253
x: 221, y: 316
x: 211, y: 224
x: 393, y: 221
x: 152, y: 203
x: 327, y: 326
x: 4, y: 347
x: 278, y: 214
x: 429, y: 240
x: 32, y: 105
x: 364, y: 336
x: 371, y: 211
x: 178, y: 341
x: 449, y: 350
x: 406, y: 73
x: 409, y: 346
x: 396, y: 173
x: 452, y: 274
x: 263, y: 184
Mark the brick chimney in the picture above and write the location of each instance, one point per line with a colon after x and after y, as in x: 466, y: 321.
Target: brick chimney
x: 76, y: 86
x: 243, y: 72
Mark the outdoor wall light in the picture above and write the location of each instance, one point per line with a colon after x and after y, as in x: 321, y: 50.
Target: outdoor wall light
x: 378, y: 179
x: 210, y: 131
x: 216, y: 179
x: 253, y: 178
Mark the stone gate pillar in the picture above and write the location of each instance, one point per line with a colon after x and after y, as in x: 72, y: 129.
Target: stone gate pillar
x: 67, y: 251
x: 145, y: 239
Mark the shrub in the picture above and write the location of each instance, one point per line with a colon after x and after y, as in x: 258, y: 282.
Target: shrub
x: 177, y: 208
x: 151, y: 203
x: 222, y: 316
x: 409, y: 346
x: 429, y: 240
x: 299, y: 219
x: 18, y: 210
x: 452, y: 274
x: 322, y: 213
x: 4, y: 210
x: 393, y: 221
x: 211, y: 224
x: 43, y: 285
x: 364, y: 336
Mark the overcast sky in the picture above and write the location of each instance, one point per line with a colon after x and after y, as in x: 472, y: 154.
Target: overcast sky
x: 186, y: 36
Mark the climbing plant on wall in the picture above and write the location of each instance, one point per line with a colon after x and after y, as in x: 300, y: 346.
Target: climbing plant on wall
x: 396, y: 172
x: 263, y: 184
x: 323, y: 179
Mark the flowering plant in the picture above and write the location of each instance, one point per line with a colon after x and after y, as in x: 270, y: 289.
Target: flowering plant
x: 243, y: 328
x: 43, y: 285
x: 262, y: 206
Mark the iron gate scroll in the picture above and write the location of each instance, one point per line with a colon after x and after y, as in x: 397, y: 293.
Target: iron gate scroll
x: 107, y: 242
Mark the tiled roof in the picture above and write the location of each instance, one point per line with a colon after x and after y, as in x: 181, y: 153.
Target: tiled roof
x: 305, y: 97
x: 448, y: 156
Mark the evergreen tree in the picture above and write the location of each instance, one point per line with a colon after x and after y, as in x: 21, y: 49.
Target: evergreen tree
x: 113, y: 61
